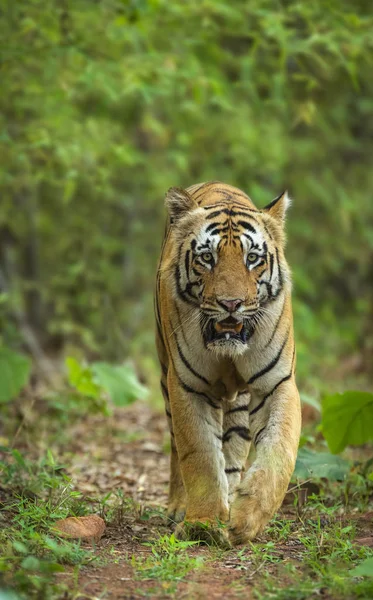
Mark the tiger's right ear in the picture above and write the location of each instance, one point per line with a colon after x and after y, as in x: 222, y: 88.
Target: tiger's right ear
x: 178, y: 203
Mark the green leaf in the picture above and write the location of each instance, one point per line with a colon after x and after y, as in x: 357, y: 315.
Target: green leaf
x: 347, y: 419
x: 14, y: 373
x: 81, y: 378
x: 30, y: 563
x: 20, y: 547
x: 365, y: 569
x: 19, y: 458
x: 120, y: 382
x: 317, y: 465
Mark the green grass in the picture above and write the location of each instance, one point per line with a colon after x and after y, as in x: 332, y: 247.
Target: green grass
x: 311, y: 553
x: 36, y: 495
x: 168, y: 561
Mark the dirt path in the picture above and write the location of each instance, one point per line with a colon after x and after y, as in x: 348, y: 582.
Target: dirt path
x: 123, y: 460
x: 125, y: 455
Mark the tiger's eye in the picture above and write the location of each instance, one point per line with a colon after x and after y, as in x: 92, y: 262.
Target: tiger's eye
x: 207, y: 257
x: 252, y: 257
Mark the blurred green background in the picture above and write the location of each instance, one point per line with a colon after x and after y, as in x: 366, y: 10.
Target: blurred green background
x: 105, y: 104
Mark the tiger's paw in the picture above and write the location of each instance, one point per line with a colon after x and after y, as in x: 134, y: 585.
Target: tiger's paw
x: 212, y: 534
x: 176, y: 512
x: 247, y: 520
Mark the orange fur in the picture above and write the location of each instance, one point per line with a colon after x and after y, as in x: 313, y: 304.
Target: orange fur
x: 226, y: 348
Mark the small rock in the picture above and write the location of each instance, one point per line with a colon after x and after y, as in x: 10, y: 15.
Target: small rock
x: 85, y: 528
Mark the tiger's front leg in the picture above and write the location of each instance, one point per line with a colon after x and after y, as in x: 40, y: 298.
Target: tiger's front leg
x: 275, y: 428
x: 197, y: 427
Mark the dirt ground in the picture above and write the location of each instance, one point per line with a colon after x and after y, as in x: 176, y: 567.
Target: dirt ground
x: 127, y: 452
x: 126, y: 455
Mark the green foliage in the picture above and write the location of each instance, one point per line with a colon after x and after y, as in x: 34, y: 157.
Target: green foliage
x: 81, y: 378
x: 38, y: 493
x: 119, y: 382
x: 364, y: 569
x: 105, y: 105
x: 168, y: 560
x: 347, y: 419
x: 317, y: 465
x: 14, y: 373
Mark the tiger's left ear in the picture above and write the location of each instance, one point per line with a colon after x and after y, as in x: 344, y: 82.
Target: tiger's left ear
x: 278, y: 207
x: 179, y: 203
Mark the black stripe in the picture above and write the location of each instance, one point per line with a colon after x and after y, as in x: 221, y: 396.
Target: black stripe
x: 280, y: 278
x: 270, y: 393
x: 156, y: 308
x: 216, y: 213
x: 271, y: 261
x: 204, y: 187
x: 273, y: 201
x: 257, y: 437
x: 168, y: 414
x: 164, y: 368
x: 236, y: 204
x: 190, y: 390
x: 243, y: 408
x: 180, y: 324
x: 186, y: 262
x: 253, y: 245
x: 247, y: 225
x: 180, y: 291
x: 164, y: 390
x: 242, y: 432
x: 160, y: 334
x: 276, y: 325
x: 183, y: 293
x: 218, y: 230
x: 210, y: 227
x: 188, y: 365
x: 267, y: 231
x: 273, y: 362
x: 230, y: 212
x: 232, y: 470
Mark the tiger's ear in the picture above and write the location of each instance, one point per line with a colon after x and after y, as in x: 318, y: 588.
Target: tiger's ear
x: 278, y: 207
x: 179, y: 203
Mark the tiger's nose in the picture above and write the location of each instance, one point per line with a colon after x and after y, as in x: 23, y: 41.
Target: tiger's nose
x: 230, y: 305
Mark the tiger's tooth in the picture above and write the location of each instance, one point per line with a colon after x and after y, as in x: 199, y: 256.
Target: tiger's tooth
x: 227, y: 336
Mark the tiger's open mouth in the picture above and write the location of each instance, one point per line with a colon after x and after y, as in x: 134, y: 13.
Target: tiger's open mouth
x: 228, y: 327
x: 227, y: 330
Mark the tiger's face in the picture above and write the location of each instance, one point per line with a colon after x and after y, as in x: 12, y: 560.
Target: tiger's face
x: 229, y: 264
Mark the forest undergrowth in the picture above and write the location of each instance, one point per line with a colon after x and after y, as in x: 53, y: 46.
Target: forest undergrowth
x: 60, y: 460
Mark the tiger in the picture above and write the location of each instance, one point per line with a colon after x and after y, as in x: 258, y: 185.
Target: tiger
x: 225, y: 342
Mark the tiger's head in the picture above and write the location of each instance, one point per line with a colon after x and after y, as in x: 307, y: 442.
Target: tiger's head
x: 227, y: 260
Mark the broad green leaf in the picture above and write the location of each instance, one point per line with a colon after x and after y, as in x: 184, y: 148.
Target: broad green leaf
x: 14, y: 373
x: 317, y: 465
x: 365, y: 569
x: 120, y: 382
x: 81, y: 378
x: 347, y: 419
